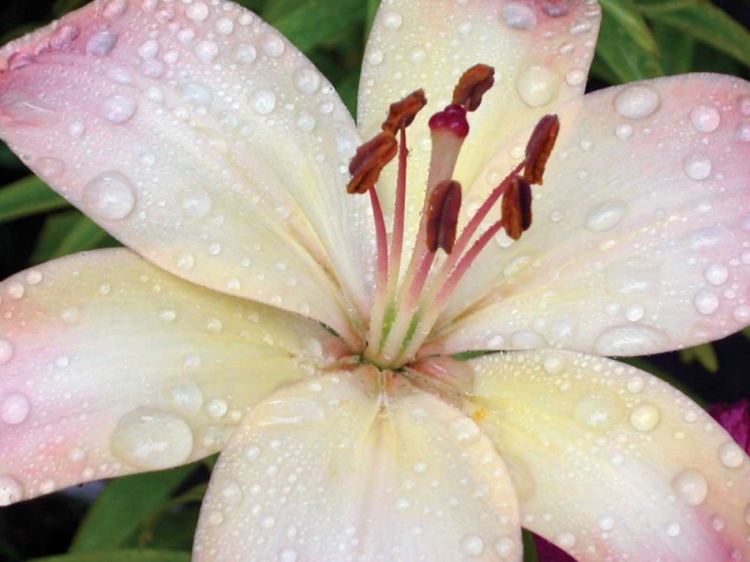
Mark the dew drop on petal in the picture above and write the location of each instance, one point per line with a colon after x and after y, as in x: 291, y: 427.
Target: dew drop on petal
x: 472, y: 545
x: 152, y: 439
x: 216, y: 408
x: 264, y: 102
x: 716, y: 274
x: 606, y: 216
x: 637, y: 102
x: 705, y: 119
x: 537, y: 85
x: 109, y: 196
x: 464, y: 430
x: 119, y: 109
x: 11, y: 491
x: 186, y: 398
x: 196, y: 203
x: 102, y: 42
x: 392, y: 21
x: 706, y: 302
x: 307, y: 80
x: 245, y: 54
x: 14, y: 408
x: 6, y: 352
x: 289, y: 411
x: 231, y: 493
x: 645, y: 417
x: 598, y: 411
x: 690, y: 486
x: 630, y: 340
x: 206, y: 50
x: 273, y: 46
x: 197, y: 12
x: 518, y: 16
x: 731, y: 454
x: 697, y: 167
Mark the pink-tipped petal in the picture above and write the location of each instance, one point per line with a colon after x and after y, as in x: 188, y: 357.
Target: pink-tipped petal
x: 541, y: 51
x: 333, y: 470
x: 610, y: 463
x: 110, y: 366
x: 640, y: 237
x: 201, y: 138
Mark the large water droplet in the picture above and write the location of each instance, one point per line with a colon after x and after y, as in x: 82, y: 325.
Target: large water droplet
x: 196, y: 203
x: 716, y: 274
x: 598, y: 411
x: 186, y: 398
x: 6, y: 352
x: 109, y: 196
x: 119, y: 109
x: 289, y: 411
x: 207, y: 50
x: 102, y: 42
x: 472, y: 545
x: 11, y: 491
x: 14, y: 408
x: 637, y: 102
x: 245, y: 54
x: 690, y: 486
x: 705, y: 119
x: 307, y: 80
x: 264, y: 101
x: 197, y: 12
x: 231, y: 493
x: 630, y: 340
x: 518, y: 16
x: 632, y: 279
x: 606, y: 216
x: 731, y: 454
x: 216, y: 408
x: 152, y: 439
x: 697, y: 167
x: 273, y: 46
x: 537, y: 85
x: 645, y: 417
x: 392, y: 21
x: 706, y: 302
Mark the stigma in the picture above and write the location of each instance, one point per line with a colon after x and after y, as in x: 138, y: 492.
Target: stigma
x: 410, y: 294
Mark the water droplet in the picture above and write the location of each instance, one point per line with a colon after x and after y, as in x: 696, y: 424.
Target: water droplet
x: 224, y: 26
x: 14, y: 408
x: 637, y: 102
x: 606, y: 216
x: 537, y: 85
x: 716, y: 274
x: 743, y: 132
x: 375, y: 57
x: 34, y: 277
x: 690, y: 486
x: 697, y: 167
x: 418, y: 56
x: 206, y: 51
x: 464, y: 430
x: 598, y: 411
x: 645, y: 417
x: 115, y: 8
x: 185, y: 261
x: 705, y: 119
x: 47, y: 486
x: 16, y: 291
x: 307, y: 80
x: 102, y: 42
x: 148, y: 49
x: 268, y: 522
x: 231, y: 493
x: 196, y: 203
x: 245, y: 54
x: 152, y: 439
x: 518, y: 16
x: 575, y: 77
x: 580, y: 27
x: 19, y: 60
x: 264, y: 102
x: 305, y: 122
x: 50, y: 167
x: 632, y: 279
x: 630, y: 340
x: 216, y: 408
x: 635, y: 313
x: 636, y: 384
x: 606, y: 523
x: 109, y: 196
x: 197, y: 12
x: 565, y: 540
x: 289, y: 411
x: 706, y: 302
x: 731, y: 454
x: 11, y: 491
x: 555, y: 10
x: 70, y: 315
x: 76, y: 129
x: 186, y: 398
x: 197, y: 94
x: 673, y: 529
x: 119, y: 109
x: 554, y: 364
x: 273, y: 46
x: 392, y: 21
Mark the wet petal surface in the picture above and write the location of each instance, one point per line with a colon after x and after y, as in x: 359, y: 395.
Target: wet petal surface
x: 197, y: 135
x: 610, y: 463
x: 110, y: 366
x: 641, y: 235
x: 330, y: 470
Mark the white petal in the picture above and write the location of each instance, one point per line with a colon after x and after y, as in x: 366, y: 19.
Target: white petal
x: 110, y: 366
x: 611, y: 463
x: 332, y: 470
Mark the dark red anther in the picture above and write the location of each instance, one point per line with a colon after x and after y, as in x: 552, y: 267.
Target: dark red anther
x: 473, y: 84
x: 539, y: 148
x: 452, y: 119
x: 369, y: 162
x: 516, y: 208
x: 442, y: 216
x: 402, y: 113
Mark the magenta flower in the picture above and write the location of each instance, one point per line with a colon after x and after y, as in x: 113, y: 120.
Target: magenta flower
x: 206, y: 143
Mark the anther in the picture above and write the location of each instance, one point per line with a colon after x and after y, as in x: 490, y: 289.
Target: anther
x: 369, y: 161
x: 473, y: 84
x: 539, y: 148
x: 516, y: 208
x: 442, y: 216
x: 402, y: 113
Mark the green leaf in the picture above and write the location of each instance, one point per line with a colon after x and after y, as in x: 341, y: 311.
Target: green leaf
x: 704, y: 21
x: 372, y: 10
x: 123, y: 505
x: 121, y: 556
x: 629, y: 18
x: 163, y: 515
x: 67, y: 234
x: 62, y: 7
x: 704, y: 354
x: 26, y: 197
x: 625, y: 57
x: 308, y: 23
x: 529, y: 547
x: 678, y: 49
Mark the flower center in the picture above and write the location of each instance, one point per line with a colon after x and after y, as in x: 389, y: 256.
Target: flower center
x: 407, y: 304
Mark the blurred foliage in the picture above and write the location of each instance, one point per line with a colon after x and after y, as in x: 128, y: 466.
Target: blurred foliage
x: 151, y: 518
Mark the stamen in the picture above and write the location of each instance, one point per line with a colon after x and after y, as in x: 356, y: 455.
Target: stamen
x: 442, y: 216
x: 452, y: 120
x: 539, y: 148
x: 369, y: 161
x: 402, y: 113
x: 516, y: 208
x: 473, y: 85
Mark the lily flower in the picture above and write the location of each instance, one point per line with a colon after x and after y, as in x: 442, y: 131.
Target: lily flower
x: 298, y: 289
